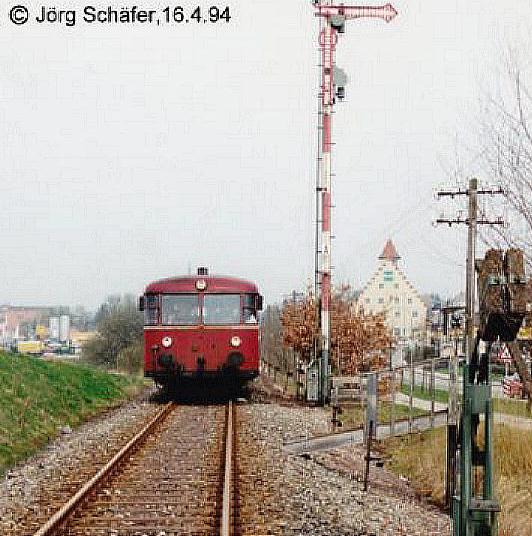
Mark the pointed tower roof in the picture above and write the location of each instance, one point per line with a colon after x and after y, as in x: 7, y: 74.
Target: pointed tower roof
x: 389, y: 252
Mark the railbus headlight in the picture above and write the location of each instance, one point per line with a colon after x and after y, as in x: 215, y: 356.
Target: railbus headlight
x: 236, y: 341
x: 201, y: 284
x: 167, y: 342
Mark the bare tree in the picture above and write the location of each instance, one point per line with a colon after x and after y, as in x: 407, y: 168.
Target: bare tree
x: 119, y: 337
x: 271, y: 337
x: 505, y: 155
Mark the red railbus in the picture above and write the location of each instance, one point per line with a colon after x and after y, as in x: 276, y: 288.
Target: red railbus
x: 201, y: 327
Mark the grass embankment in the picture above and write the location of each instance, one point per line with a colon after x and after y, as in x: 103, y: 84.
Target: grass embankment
x: 38, y: 397
x: 421, y: 458
x: 496, y: 371
x: 500, y: 405
x: 354, y: 416
x: 518, y: 408
x: 440, y: 395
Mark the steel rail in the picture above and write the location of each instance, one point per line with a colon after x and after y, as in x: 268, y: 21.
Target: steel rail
x: 68, y: 508
x: 226, y: 522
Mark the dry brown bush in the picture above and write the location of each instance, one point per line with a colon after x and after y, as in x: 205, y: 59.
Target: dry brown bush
x: 359, y: 342
x: 421, y: 458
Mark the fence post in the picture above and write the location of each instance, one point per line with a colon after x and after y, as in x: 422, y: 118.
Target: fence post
x: 392, y: 409
x: 411, y: 395
x: 371, y: 401
x: 371, y: 419
x: 368, y: 455
x: 432, y: 389
x: 296, y: 374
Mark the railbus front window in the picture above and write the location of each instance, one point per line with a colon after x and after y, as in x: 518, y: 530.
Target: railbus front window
x: 180, y: 309
x: 151, y: 310
x: 221, y: 309
x: 250, y: 311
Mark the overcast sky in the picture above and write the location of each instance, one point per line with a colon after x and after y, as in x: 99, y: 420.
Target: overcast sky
x: 131, y: 153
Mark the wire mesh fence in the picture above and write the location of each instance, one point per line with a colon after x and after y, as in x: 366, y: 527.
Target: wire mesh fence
x: 409, y: 397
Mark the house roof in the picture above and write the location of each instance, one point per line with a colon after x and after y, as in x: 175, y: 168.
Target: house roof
x: 389, y: 252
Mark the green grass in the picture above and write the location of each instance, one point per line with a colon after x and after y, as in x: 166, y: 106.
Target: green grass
x: 38, y: 397
x: 500, y: 405
x: 496, y: 371
x: 354, y: 416
x: 511, y: 407
x: 440, y: 395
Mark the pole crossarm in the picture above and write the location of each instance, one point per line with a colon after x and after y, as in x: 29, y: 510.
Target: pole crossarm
x: 455, y: 193
x: 469, y: 192
x: 465, y: 221
x: 386, y: 12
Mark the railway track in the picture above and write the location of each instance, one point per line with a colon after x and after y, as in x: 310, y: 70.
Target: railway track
x: 175, y: 476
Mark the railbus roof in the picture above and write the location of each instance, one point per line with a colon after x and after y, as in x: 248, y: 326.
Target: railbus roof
x: 215, y: 284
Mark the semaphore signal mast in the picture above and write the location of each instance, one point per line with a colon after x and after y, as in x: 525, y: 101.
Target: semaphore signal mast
x: 333, y: 81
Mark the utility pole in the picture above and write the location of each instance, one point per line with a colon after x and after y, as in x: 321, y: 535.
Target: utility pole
x: 472, y: 221
x: 472, y: 515
x: 470, y: 266
x: 333, y: 81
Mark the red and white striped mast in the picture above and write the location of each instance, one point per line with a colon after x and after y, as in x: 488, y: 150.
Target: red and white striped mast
x: 333, y: 80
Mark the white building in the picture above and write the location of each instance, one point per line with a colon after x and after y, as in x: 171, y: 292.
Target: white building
x: 390, y: 292
x: 3, y: 327
x: 64, y: 328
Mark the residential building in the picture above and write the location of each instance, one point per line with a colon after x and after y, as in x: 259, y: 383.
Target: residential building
x: 390, y: 292
x: 15, y: 320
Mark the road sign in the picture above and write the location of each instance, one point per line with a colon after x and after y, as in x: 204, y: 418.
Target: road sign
x: 504, y: 355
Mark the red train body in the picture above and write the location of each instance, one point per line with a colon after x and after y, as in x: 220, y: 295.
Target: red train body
x: 201, y: 327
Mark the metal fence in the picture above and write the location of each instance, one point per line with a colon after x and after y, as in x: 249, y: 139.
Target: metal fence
x: 409, y: 397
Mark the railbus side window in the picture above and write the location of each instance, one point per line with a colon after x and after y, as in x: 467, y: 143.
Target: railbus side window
x: 250, y: 311
x: 151, y: 310
x: 221, y: 309
x: 180, y: 309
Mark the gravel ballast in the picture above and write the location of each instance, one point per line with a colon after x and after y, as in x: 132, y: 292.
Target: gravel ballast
x: 320, y: 494
x: 31, y: 491
x: 280, y: 493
